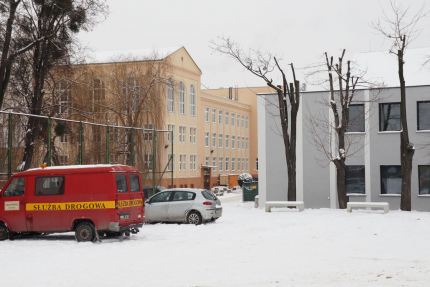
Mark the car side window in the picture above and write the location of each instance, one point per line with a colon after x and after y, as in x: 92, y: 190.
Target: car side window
x: 161, y: 197
x: 121, y: 183
x: 134, y: 183
x: 50, y: 185
x: 183, y: 196
x: 15, y: 188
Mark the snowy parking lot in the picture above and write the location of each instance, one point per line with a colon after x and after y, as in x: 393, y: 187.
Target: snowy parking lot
x: 245, y: 247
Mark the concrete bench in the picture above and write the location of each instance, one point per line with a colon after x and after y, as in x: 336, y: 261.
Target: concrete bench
x: 372, y: 205
x: 297, y: 204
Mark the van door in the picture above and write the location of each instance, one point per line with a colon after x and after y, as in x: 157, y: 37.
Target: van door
x: 45, y: 206
x: 122, y: 199
x: 136, y: 196
x: 12, y: 202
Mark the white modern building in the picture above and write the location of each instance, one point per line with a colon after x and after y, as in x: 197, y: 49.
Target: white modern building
x: 373, y: 153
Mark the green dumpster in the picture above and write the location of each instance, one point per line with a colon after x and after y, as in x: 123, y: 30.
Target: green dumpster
x: 249, y: 190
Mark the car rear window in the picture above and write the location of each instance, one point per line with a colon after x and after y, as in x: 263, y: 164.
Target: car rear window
x: 208, y: 195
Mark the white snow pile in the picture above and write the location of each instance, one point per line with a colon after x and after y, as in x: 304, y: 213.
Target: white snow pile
x: 245, y: 247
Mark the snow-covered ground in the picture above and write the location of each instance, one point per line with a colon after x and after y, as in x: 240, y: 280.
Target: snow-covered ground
x: 245, y: 247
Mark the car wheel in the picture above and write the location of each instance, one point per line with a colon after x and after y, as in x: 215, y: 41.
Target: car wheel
x: 4, y: 232
x: 84, y: 232
x: 194, y: 218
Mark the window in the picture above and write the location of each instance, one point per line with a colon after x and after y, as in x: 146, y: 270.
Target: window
x: 391, y: 179
x: 134, y: 183
x: 207, y: 161
x: 193, y: 132
x: 181, y: 98
x: 170, y: 134
x: 214, y: 116
x: 183, y: 196
x: 193, y: 162
x: 214, y: 140
x: 227, y: 160
x: 182, y: 134
x: 214, y: 163
x: 220, y: 140
x: 15, y: 188
x: 239, y: 165
x: 233, y: 164
x: 161, y: 197
x: 64, y: 96
x: 220, y: 117
x: 207, y: 115
x: 355, y: 179
x: 220, y: 164
x: 121, y: 183
x: 233, y: 142
x: 64, y: 138
x: 192, y: 101
x: 424, y: 179
x: 356, y: 118
x: 233, y: 118
x: 423, y: 111
x: 389, y: 117
x: 148, y: 131
x: 147, y: 161
x: 206, y: 139
x: 227, y: 137
x: 98, y: 94
x: 50, y: 185
x: 182, y: 162
x: 238, y: 121
x: 227, y: 115
x: 246, y: 122
x: 63, y: 159
x: 170, y: 97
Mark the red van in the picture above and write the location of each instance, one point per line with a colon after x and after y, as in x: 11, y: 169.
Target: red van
x: 89, y: 200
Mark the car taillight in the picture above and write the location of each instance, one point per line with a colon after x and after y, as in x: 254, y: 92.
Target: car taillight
x: 207, y: 203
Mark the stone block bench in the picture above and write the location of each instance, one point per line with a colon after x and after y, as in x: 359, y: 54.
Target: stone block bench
x: 297, y: 204
x: 372, y: 205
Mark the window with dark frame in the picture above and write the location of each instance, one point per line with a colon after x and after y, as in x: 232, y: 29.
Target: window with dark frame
x: 134, y: 183
x: 50, y: 185
x: 389, y: 117
x: 121, y: 183
x: 356, y: 118
x: 423, y: 115
x: 424, y: 179
x: 355, y: 179
x: 391, y: 179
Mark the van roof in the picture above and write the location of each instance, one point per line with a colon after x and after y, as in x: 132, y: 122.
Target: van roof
x: 70, y: 169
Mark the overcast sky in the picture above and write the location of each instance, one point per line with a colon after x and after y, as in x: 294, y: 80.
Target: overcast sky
x: 297, y: 31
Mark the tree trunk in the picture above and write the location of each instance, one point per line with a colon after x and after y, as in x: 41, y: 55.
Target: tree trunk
x: 5, y: 61
x: 406, y: 148
x: 341, y: 183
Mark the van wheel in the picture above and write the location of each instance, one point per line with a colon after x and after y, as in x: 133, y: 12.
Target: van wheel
x: 84, y: 232
x: 4, y: 232
x: 194, y: 218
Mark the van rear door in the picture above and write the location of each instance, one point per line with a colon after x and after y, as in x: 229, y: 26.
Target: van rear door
x: 122, y: 199
x: 136, y: 197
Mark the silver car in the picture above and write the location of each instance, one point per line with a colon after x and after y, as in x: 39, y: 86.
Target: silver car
x: 190, y: 205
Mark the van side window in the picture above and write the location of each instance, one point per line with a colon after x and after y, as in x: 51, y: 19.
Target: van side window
x: 121, y: 183
x: 50, y: 185
x: 134, y: 183
x: 15, y: 188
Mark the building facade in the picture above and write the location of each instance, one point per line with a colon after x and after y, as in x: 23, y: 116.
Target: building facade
x: 373, y: 153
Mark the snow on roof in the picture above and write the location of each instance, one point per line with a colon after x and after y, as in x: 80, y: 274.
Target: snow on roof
x: 102, y: 57
x: 74, y: 167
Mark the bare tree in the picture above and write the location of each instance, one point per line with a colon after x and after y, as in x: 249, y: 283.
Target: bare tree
x: 400, y: 29
x: 262, y: 66
x: 55, y: 23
